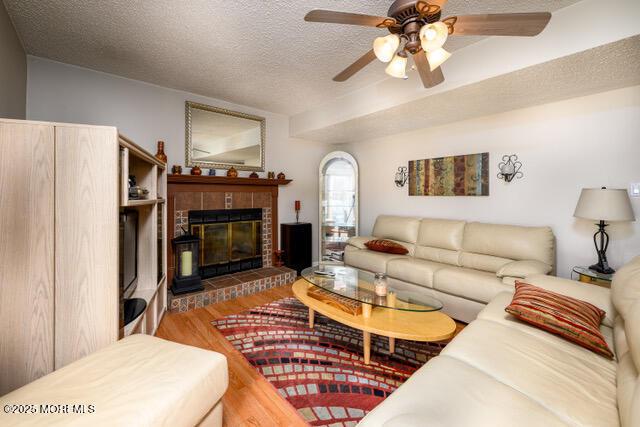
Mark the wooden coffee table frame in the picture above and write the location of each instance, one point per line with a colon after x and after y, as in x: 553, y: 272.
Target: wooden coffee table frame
x: 387, y: 322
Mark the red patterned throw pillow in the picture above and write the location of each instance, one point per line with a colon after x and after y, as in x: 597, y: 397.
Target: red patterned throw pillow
x: 572, y: 319
x: 387, y: 246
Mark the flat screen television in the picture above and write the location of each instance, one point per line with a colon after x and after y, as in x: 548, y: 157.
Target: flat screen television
x: 128, y: 253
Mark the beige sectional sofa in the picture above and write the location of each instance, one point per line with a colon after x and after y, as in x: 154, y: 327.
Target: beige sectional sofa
x: 463, y: 264
x: 502, y: 372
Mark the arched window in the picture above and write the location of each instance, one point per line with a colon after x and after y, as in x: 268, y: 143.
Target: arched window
x: 338, y: 204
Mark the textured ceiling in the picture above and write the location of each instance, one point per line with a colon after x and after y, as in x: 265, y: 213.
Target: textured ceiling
x: 599, y: 69
x: 256, y: 53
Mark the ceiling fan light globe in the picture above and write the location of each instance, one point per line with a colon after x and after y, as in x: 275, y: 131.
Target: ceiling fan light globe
x: 386, y: 47
x: 437, y: 57
x: 433, y: 36
x: 397, y: 67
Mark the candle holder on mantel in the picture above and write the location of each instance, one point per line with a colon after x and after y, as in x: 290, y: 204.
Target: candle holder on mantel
x: 186, y: 249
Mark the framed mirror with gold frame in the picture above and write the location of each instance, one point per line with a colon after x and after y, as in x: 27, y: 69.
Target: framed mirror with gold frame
x: 217, y: 138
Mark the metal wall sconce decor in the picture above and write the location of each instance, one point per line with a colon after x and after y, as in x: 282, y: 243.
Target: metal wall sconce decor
x: 401, y: 176
x: 510, y: 168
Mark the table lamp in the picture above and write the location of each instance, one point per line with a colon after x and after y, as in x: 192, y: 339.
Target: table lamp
x: 603, y: 205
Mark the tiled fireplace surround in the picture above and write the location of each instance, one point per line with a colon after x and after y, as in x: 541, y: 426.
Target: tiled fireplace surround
x: 213, y: 193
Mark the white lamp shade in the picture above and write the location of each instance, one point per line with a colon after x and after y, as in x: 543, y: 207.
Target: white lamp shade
x: 437, y: 57
x: 433, y: 36
x: 385, y: 47
x: 398, y: 67
x: 604, y: 204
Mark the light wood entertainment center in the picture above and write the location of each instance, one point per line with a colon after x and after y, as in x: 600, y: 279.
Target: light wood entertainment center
x: 62, y: 188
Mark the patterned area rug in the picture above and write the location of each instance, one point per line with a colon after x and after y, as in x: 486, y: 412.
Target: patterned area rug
x: 321, y: 371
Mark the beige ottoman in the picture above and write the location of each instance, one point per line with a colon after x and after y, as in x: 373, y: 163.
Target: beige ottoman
x: 138, y: 381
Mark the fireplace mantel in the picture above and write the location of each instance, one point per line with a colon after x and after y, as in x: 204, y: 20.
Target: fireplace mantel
x: 224, y: 180
x: 189, y: 192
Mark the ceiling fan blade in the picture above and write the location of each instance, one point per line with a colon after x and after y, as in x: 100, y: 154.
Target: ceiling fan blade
x: 352, y: 69
x: 333, y: 17
x: 506, y: 24
x: 429, y: 78
x: 430, y: 7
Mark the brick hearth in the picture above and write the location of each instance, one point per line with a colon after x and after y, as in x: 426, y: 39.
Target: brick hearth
x: 231, y: 286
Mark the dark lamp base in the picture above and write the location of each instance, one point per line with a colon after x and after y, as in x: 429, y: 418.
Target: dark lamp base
x: 604, y: 269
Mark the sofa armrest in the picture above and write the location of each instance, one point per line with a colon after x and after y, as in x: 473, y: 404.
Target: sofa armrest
x: 359, y: 241
x: 522, y: 269
x: 596, y: 295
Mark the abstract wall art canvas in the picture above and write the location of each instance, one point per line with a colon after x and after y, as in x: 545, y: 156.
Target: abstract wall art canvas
x: 466, y: 175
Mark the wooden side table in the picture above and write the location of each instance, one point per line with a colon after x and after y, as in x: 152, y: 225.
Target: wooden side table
x: 589, y: 276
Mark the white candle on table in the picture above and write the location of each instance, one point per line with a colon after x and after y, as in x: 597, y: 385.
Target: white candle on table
x: 185, y: 263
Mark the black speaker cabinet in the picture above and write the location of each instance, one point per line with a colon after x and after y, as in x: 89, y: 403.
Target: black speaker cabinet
x: 295, y: 241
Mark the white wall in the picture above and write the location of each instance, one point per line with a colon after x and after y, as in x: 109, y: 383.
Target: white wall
x: 147, y: 113
x: 584, y: 142
x: 13, y: 71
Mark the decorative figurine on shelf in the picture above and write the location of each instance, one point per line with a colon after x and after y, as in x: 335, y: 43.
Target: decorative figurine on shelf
x: 160, y: 154
x: 281, y: 175
x: 297, y: 207
x: 196, y: 171
x: 271, y: 175
x: 254, y: 174
x: 176, y: 170
x: 135, y: 191
x: 278, y: 261
x: 232, y: 172
x: 212, y: 172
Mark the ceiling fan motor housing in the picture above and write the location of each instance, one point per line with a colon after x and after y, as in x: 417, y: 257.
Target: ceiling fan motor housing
x: 409, y: 22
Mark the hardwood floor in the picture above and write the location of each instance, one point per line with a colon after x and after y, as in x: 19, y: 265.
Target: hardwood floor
x: 250, y: 399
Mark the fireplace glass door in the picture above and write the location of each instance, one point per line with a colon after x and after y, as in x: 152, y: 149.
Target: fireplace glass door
x: 230, y: 240
x: 215, y: 243
x: 243, y: 241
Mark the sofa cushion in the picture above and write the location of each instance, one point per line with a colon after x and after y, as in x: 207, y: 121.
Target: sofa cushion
x: 412, y: 270
x: 441, y: 233
x: 570, y: 318
x: 359, y: 241
x: 494, y: 311
x: 386, y: 246
x: 365, y: 259
x: 596, y: 295
x: 510, y: 241
x: 453, y: 393
x: 628, y: 383
x: 625, y: 287
x: 137, y: 380
x: 404, y: 229
x: 482, y: 262
x: 580, y: 390
x: 444, y: 256
x: 471, y: 284
x: 522, y: 269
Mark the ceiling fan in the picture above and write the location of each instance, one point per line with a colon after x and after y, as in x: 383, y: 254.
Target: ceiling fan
x: 417, y: 24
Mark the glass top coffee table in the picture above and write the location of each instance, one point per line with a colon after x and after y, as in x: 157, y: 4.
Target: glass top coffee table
x: 358, y: 286
x: 347, y: 295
